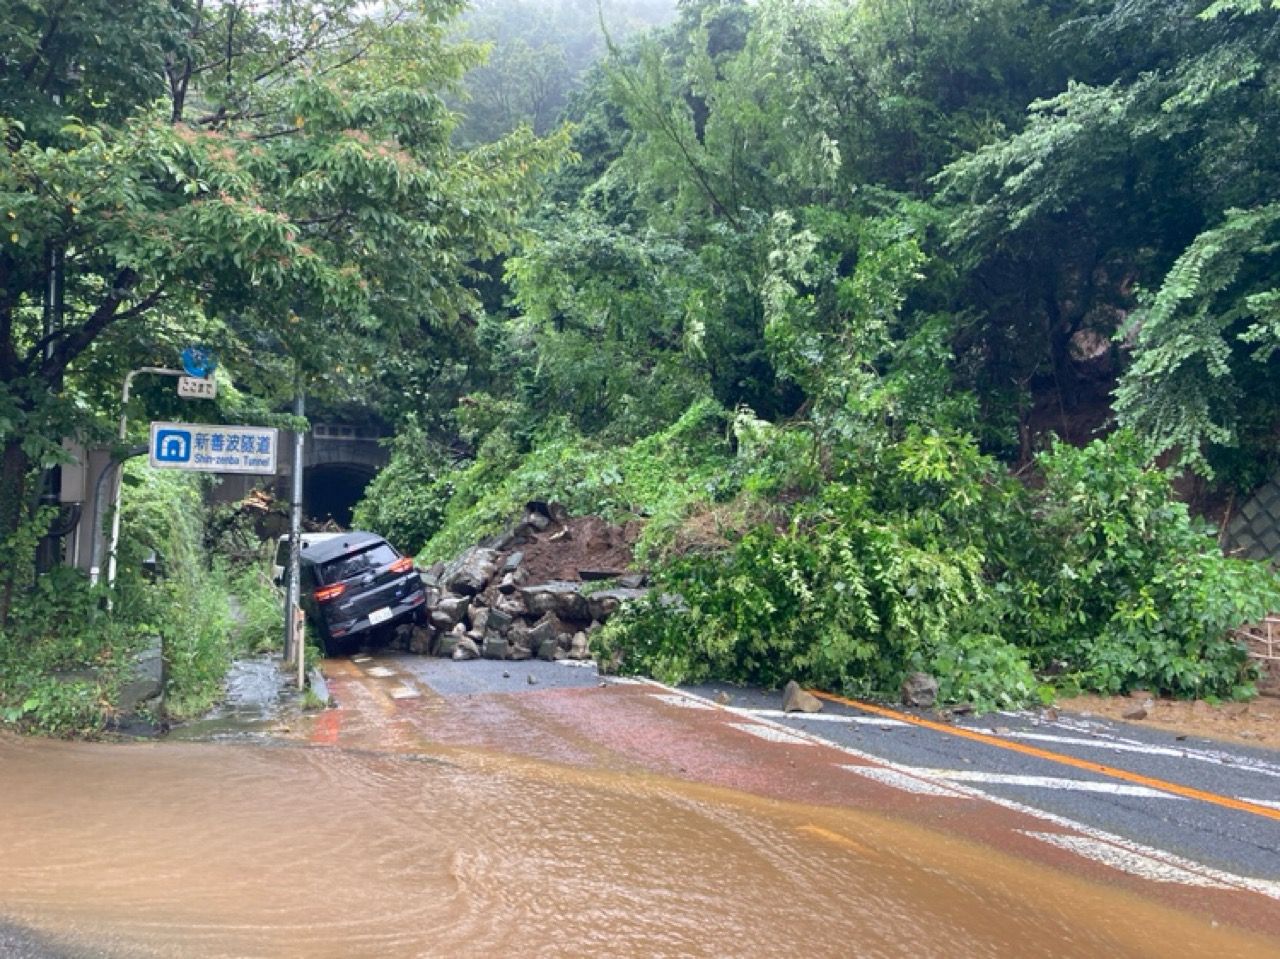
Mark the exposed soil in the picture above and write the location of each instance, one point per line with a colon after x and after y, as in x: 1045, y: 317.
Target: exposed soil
x: 1255, y: 723
x: 584, y: 542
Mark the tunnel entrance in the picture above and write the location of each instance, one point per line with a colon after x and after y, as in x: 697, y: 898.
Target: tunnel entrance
x: 331, y: 491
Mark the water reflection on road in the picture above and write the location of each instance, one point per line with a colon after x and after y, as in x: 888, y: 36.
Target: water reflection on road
x: 191, y: 849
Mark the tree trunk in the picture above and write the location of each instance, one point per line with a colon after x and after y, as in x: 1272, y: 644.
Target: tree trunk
x: 14, y: 468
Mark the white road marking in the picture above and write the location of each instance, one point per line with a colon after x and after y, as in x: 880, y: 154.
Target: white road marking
x: 1048, y: 782
x: 819, y: 717
x: 681, y: 701
x: 1264, y: 887
x: 380, y: 671
x: 1272, y: 803
x: 404, y: 692
x: 911, y: 784
x: 1114, y: 747
x: 771, y: 734
x: 361, y: 658
x: 577, y: 663
x: 1133, y: 863
x: 1104, y: 737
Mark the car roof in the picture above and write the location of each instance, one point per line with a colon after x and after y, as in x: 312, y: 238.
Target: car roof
x: 322, y: 547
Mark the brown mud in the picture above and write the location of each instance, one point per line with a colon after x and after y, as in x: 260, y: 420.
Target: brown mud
x: 582, y: 542
x: 202, y: 850
x: 1255, y: 723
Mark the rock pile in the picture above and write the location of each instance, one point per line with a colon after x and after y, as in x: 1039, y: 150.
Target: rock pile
x: 493, y: 602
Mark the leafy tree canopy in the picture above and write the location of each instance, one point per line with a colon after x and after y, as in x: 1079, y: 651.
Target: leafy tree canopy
x: 276, y: 181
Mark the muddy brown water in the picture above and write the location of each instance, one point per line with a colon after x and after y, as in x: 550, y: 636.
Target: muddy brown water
x: 215, y: 850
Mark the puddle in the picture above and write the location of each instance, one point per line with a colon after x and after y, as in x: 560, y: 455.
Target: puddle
x: 258, y: 698
x: 231, y: 850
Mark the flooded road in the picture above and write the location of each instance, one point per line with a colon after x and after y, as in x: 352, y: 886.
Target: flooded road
x: 402, y: 845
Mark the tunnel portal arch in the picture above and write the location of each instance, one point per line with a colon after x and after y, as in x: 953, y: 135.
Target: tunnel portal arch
x: 339, y: 462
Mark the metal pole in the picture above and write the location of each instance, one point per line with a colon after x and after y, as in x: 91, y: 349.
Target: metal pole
x: 95, y: 533
x: 293, y: 644
x: 119, y: 487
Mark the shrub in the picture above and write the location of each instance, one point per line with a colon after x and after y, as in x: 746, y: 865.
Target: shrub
x: 660, y: 476
x: 1117, y: 583
x: 406, y: 501
x: 926, y: 559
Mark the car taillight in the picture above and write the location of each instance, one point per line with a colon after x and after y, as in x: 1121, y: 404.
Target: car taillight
x: 325, y: 593
x: 402, y: 565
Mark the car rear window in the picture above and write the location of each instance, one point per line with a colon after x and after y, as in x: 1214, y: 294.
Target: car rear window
x: 366, y: 560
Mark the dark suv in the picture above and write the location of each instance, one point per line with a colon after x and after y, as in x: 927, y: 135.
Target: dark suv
x: 353, y: 583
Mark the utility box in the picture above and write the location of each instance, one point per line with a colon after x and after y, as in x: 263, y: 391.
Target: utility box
x: 74, y: 474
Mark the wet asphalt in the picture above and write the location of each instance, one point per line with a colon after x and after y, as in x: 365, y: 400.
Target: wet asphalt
x: 1215, y: 835
x: 19, y: 942
x: 1209, y: 833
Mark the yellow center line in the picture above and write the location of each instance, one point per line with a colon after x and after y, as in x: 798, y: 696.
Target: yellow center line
x: 1188, y: 792
x: 837, y: 839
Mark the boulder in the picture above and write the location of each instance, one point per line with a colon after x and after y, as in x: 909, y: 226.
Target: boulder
x: 479, y: 616
x: 145, y: 678
x: 446, y: 644
x: 466, y: 649
x: 441, y: 621
x: 494, y: 647
x: 499, y: 541
x: 919, y: 690
x: 544, y: 630
x: 523, y: 533
x: 578, y: 646
x: 562, y: 598
x: 498, y: 620
x: 401, y: 637
x: 519, y: 652
x: 631, y: 580
x: 470, y: 572
x: 796, y: 700
x: 511, y: 604
x: 537, y: 521
x: 549, y: 649
x: 421, y: 639
x: 452, y: 608
x: 603, y: 603
x: 511, y: 563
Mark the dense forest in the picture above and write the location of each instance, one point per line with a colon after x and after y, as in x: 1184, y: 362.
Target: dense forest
x: 894, y: 322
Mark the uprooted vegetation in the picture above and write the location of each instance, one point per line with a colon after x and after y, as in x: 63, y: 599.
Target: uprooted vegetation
x: 918, y: 554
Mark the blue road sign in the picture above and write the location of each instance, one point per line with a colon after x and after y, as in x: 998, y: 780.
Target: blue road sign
x: 172, y: 446
x: 198, y: 361
x: 214, y: 449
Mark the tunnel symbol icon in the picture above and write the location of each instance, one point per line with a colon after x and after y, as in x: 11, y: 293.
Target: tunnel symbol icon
x: 173, y: 446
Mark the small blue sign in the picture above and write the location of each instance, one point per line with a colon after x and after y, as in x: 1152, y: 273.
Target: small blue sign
x: 172, y: 446
x: 198, y: 361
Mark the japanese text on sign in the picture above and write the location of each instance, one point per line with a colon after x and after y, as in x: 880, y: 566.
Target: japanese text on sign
x: 213, y: 449
x: 191, y: 387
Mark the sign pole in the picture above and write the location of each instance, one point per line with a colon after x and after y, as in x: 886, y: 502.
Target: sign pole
x: 119, y: 486
x: 293, y: 642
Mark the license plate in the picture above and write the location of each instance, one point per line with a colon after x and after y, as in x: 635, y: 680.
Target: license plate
x: 380, y: 615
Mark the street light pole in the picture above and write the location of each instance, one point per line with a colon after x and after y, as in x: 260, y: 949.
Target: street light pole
x: 294, y: 646
x: 119, y: 486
